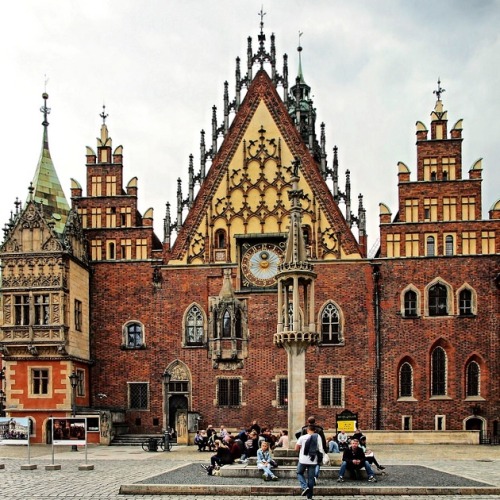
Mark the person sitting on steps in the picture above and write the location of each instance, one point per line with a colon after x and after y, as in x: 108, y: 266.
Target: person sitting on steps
x: 370, y: 456
x: 354, y: 460
x: 265, y: 462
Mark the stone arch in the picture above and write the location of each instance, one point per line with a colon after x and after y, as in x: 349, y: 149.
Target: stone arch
x: 341, y: 321
x: 403, y: 303
x: 185, y: 326
x: 468, y: 287
x: 474, y: 423
x: 409, y: 361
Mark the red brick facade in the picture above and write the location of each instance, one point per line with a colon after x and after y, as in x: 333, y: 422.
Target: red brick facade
x: 417, y: 327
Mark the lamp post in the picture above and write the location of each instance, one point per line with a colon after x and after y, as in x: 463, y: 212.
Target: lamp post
x: 73, y: 378
x: 3, y: 396
x: 166, y: 381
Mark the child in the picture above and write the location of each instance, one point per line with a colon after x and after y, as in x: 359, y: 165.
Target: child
x: 264, y: 462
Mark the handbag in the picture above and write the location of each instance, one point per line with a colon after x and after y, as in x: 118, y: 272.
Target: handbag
x: 326, y: 459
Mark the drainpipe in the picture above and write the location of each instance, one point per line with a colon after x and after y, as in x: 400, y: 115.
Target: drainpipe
x: 378, y: 376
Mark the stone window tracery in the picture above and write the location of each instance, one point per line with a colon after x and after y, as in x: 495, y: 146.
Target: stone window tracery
x: 194, y: 326
x: 331, y: 330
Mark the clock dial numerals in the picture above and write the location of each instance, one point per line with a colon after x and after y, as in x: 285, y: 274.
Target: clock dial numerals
x: 259, y: 264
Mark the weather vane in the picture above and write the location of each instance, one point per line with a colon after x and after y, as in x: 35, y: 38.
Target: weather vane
x: 261, y: 14
x: 104, y: 115
x: 299, y: 48
x: 439, y: 90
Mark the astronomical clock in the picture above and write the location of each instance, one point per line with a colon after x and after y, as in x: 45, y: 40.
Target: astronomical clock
x: 259, y: 263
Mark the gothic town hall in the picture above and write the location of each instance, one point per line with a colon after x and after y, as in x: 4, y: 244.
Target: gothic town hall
x: 263, y: 252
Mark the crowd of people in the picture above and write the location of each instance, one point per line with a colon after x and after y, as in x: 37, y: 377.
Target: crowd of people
x: 312, y: 445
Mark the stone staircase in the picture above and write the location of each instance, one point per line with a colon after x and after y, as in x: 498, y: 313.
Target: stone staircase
x: 134, y: 439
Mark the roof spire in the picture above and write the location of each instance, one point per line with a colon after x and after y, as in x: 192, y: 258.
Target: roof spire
x: 261, y: 15
x: 299, y: 50
x: 45, y: 188
x: 45, y: 110
x: 104, y: 115
x: 439, y: 90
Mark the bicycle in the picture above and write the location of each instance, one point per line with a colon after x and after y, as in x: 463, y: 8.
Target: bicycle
x: 152, y: 444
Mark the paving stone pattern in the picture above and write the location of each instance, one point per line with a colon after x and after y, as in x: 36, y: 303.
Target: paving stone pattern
x: 114, y: 466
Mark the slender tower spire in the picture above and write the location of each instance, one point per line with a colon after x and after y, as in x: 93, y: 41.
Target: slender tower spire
x: 47, y: 190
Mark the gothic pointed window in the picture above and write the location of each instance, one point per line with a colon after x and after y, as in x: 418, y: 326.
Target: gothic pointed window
x: 238, y: 326
x: 438, y: 300
x: 410, y: 304
x: 473, y: 378
x: 330, y: 325
x: 405, y: 380
x: 465, y: 302
x: 194, y: 326
x: 439, y: 372
x: 226, y: 325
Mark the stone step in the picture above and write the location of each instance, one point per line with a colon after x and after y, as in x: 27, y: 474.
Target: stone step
x: 285, y: 472
x: 134, y: 439
x: 283, y: 459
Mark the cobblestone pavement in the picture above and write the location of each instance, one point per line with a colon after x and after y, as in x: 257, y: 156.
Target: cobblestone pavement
x: 114, y: 466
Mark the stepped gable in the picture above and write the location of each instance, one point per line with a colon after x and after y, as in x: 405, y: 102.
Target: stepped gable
x: 262, y: 89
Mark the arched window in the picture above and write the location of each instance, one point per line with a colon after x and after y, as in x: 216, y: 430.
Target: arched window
x: 194, y: 326
x: 465, y: 302
x: 473, y: 379
x: 134, y: 335
x: 438, y: 300
x: 405, y: 380
x: 226, y: 325
x: 220, y: 238
x: 431, y: 246
x: 449, y: 245
x: 410, y: 304
x: 330, y: 325
x: 439, y: 372
x: 238, y: 325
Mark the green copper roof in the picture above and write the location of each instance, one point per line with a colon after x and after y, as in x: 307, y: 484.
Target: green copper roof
x: 47, y: 189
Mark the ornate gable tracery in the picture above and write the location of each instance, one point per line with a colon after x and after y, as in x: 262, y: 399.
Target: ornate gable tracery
x: 248, y: 196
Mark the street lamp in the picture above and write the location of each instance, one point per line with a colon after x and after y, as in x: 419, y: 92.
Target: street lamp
x: 167, y: 376
x: 73, y: 378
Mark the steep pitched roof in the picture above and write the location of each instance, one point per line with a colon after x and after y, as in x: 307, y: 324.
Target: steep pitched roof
x: 46, y: 187
x: 262, y: 89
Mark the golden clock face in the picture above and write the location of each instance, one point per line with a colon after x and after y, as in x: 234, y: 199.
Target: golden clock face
x: 259, y: 264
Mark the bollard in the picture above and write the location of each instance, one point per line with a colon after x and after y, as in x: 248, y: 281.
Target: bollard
x: 152, y: 444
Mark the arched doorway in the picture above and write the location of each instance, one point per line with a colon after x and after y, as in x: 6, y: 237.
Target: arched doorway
x: 474, y: 424
x: 176, y: 392
x: 176, y: 402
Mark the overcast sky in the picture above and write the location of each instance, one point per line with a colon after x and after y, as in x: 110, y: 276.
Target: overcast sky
x: 159, y: 67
